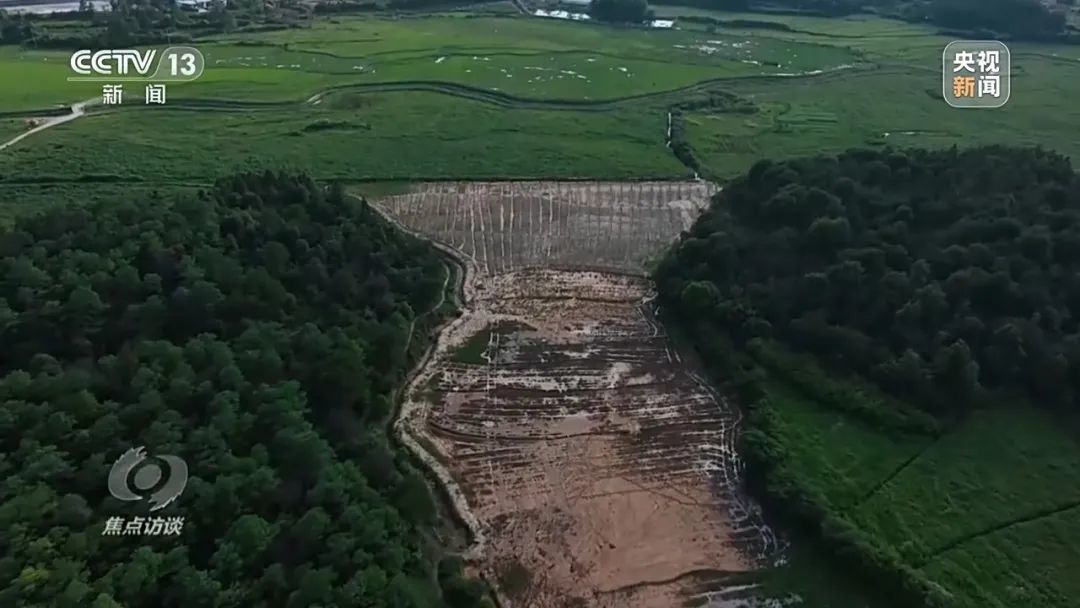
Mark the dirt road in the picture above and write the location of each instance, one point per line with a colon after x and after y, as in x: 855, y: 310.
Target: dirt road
x: 77, y: 110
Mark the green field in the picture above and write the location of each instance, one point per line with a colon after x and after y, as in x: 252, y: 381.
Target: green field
x: 894, y: 107
x: 988, y: 511
x: 537, y: 58
x: 350, y: 137
x: 455, y: 96
x: 967, y: 484
x: 10, y: 128
x: 845, y: 459
x: 895, y: 103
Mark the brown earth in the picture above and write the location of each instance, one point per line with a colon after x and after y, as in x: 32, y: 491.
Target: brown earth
x: 595, y: 467
x: 509, y: 225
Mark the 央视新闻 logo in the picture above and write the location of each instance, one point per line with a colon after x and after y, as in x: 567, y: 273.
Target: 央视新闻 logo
x: 976, y: 74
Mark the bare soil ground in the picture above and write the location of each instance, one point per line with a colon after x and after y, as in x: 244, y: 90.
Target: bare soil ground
x: 509, y: 225
x: 596, y: 469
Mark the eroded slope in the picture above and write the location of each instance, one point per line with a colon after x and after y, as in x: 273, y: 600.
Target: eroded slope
x: 597, y: 469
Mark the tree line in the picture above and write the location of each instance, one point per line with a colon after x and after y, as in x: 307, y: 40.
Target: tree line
x: 1011, y: 19
x: 942, y: 276
x: 257, y: 331
x: 620, y: 11
x: 140, y: 22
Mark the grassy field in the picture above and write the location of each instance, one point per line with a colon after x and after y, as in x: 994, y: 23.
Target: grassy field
x: 539, y: 58
x: 1027, y: 564
x: 10, y: 128
x: 845, y: 459
x: 894, y: 107
x: 38, y: 79
x: 966, y: 484
x: 879, y: 85
x: 989, y: 511
x: 350, y: 137
x: 896, y: 103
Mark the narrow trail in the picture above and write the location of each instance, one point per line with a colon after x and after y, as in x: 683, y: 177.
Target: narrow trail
x: 436, y: 306
x: 77, y: 110
x: 410, y: 408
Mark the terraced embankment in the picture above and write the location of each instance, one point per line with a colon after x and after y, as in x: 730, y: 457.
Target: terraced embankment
x: 595, y: 467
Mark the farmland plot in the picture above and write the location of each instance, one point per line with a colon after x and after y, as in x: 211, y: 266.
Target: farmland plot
x: 505, y: 226
x: 594, y: 467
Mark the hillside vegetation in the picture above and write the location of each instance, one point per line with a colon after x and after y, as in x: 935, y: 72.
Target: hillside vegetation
x: 936, y: 274
x: 908, y: 323
x: 258, y: 332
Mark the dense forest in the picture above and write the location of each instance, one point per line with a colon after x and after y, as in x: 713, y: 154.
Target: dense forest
x: 943, y: 276
x: 258, y: 332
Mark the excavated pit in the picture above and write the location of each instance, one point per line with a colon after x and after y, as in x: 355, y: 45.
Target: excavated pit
x: 595, y: 468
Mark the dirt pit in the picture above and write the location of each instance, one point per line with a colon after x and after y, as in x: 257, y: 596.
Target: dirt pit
x: 597, y: 469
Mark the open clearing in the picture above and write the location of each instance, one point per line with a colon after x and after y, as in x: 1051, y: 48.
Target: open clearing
x: 595, y: 468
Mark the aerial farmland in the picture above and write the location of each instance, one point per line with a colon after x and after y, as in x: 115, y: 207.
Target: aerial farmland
x: 509, y: 368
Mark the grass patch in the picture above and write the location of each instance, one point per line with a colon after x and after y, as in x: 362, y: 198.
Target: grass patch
x: 38, y: 79
x: 1028, y: 564
x: 412, y: 136
x: 803, y: 117
x: 11, y: 127
x: 475, y: 349
x: 851, y: 396
x: 967, y: 483
x: 987, y: 512
x: 841, y: 459
x: 538, y: 58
